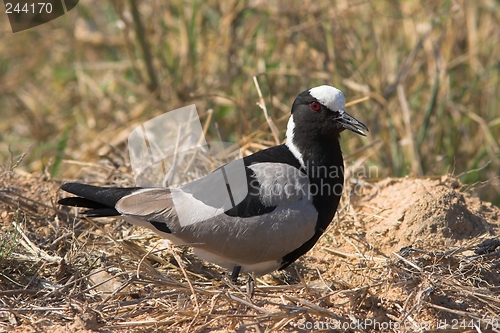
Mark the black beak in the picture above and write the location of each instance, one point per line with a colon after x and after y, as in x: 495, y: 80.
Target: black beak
x: 351, y: 123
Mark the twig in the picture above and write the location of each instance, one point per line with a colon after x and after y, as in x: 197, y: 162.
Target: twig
x: 353, y: 255
x: 262, y: 105
x: 415, y: 161
x: 321, y: 310
x: 18, y: 292
x: 422, y: 296
x: 457, y: 312
x: 407, y: 261
x: 35, y: 308
x: 304, y: 283
x: 142, y: 259
x: 357, y: 101
x: 195, y: 297
x: 32, y: 248
x: 112, y: 277
x: 200, y: 139
x: 58, y: 239
x: 250, y: 305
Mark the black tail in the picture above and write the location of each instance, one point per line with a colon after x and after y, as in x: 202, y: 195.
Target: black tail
x: 100, y: 200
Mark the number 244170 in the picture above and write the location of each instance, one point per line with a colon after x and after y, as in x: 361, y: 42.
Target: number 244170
x: 41, y: 7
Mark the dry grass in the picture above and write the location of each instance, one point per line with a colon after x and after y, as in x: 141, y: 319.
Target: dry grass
x: 67, y: 273
x: 430, y: 72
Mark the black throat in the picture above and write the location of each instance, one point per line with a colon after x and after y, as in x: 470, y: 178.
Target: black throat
x: 324, y: 165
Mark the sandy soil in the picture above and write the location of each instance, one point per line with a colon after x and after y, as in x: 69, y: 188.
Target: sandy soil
x: 408, y: 251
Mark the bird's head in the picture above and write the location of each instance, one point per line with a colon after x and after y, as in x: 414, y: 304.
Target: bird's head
x: 321, y: 110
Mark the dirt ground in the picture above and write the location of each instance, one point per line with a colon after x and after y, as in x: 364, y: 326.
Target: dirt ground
x: 401, y: 255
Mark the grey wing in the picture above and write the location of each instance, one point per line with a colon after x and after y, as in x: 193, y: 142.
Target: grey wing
x: 280, y: 183
x: 253, y: 239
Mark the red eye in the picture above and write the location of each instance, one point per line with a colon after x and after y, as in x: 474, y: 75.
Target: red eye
x: 315, y: 106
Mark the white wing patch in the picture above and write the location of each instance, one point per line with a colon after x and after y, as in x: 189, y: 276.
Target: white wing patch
x: 191, y: 210
x: 171, y: 205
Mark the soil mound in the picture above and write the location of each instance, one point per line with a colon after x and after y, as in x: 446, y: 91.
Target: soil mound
x: 423, y: 213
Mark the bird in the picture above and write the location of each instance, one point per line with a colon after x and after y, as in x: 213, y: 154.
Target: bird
x: 292, y: 192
